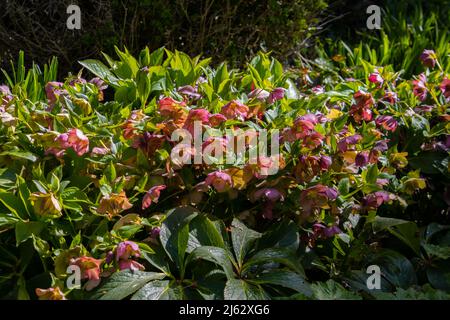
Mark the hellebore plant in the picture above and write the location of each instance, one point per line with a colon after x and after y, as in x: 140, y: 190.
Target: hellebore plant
x: 299, y: 180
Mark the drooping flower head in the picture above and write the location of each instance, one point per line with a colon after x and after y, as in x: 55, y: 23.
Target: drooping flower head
x: 374, y: 200
x: 235, y: 110
x: 428, y: 58
x: 101, y: 86
x: 126, y: 250
x: 90, y: 270
x: 201, y: 116
x: 420, y: 87
x: 310, y: 166
x: 129, y: 128
x: 360, y: 110
x: 390, y: 97
x: 216, y: 119
x: 375, y: 77
x: 152, y: 196
x: 445, y: 88
x: 74, y: 139
x: 189, y: 92
x: 386, y: 122
x: 268, y: 194
x: 316, y: 196
x: 113, y: 204
x: 221, y: 181
x: 275, y: 95
x: 46, y: 205
x: 169, y: 107
x: 54, y: 293
x: 53, y: 90
x: 259, y: 94
x: 148, y: 143
x: 362, y: 159
x: 347, y: 141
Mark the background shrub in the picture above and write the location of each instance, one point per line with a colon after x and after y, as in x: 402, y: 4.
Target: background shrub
x: 232, y: 29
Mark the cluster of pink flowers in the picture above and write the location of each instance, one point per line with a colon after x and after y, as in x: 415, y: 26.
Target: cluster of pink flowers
x: 74, y: 139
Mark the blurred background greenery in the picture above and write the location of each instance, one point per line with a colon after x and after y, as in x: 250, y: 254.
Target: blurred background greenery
x: 295, y: 31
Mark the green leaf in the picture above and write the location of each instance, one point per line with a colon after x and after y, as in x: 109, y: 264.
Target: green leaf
x: 7, y: 220
x: 100, y: 70
x: 25, y: 230
x: 382, y: 223
x: 395, y: 268
x: 287, y: 279
x: 14, y: 204
x: 110, y: 173
x: 331, y: 290
x: 439, y: 275
x: 174, y: 233
x: 430, y: 162
x: 20, y: 154
x: 219, y: 256
x: 283, y: 234
x: 425, y: 293
x: 277, y: 255
x: 159, y: 290
x: 243, y: 239
x: 437, y: 251
x: 158, y: 259
x: 124, y: 283
x: 203, y: 232
x: 237, y: 289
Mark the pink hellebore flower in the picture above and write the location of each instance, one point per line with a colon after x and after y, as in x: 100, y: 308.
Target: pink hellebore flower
x: 99, y: 151
x: 321, y: 231
x: 374, y: 200
x: 275, y: 95
x: 259, y: 94
x: 235, y: 110
x: 361, y: 159
x: 419, y: 87
x: 74, y: 139
x: 4, y: 90
x: 428, y: 58
x: 190, y: 92
x: 376, y: 78
x: 130, y: 265
x: 199, y: 115
x: 387, y: 122
x: 445, y: 88
x: 390, y: 97
x: 53, y: 90
x: 268, y: 194
x: 361, y: 109
x: 221, y: 181
x: 90, y: 269
x: 148, y: 142
x: 216, y: 119
x: 101, y: 85
x: 168, y: 106
x: 345, y: 142
x: 152, y: 195
x: 318, y: 89
x: 126, y: 250
x: 316, y: 197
